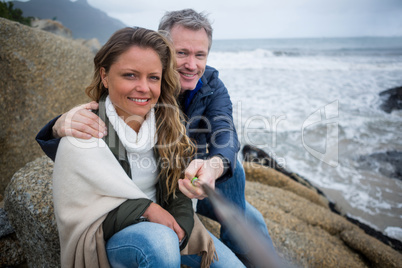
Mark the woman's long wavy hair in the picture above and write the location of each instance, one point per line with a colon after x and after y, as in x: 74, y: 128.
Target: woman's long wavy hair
x: 173, y: 146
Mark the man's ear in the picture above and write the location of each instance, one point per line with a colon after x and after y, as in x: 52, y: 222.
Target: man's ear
x: 104, y: 77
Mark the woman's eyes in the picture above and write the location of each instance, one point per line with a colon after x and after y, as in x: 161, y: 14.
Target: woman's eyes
x: 130, y: 75
x: 155, y: 77
x: 151, y: 77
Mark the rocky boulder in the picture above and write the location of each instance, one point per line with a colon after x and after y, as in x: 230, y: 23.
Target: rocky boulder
x: 42, y: 76
x: 53, y: 27
x: 391, y: 99
x: 11, y: 253
x: 304, y: 230
x: 391, y: 163
x: 29, y: 204
x: 57, y: 28
x: 93, y: 44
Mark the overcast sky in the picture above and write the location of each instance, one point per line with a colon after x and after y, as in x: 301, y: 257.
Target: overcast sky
x: 271, y: 18
x: 238, y: 19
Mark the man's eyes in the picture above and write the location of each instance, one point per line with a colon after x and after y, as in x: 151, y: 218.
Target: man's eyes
x: 185, y: 54
x: 181, y: 53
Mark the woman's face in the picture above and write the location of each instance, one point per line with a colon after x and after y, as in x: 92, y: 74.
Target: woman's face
x: 134, y: 84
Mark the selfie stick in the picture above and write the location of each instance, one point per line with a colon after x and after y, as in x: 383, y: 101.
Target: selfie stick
x: 259, y: 249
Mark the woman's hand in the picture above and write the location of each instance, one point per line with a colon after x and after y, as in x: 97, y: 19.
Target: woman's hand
x: 80, y: 122
x: 155, y: 213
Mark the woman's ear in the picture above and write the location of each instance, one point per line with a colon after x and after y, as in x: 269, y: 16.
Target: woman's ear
x: 103, y: 76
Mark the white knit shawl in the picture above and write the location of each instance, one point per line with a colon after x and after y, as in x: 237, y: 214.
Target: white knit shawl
x: 88, y: 182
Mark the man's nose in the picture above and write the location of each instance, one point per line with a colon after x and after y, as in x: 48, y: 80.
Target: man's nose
x: 191, y: 63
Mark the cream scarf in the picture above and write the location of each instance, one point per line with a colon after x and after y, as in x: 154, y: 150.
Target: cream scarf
x: 139, y: 147
x: 88, y: 182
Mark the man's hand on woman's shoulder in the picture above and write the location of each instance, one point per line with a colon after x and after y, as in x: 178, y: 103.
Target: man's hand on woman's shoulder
x: 80, y: 122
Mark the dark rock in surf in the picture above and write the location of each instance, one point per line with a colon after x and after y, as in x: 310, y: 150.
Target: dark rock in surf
x: 392, y: 99
x: 388, y: 163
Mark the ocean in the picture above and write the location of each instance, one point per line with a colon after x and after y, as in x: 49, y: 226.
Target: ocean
x: 314, y: 105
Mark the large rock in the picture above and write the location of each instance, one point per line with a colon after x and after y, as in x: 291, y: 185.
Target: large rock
x: 307, y: 232
x: 11, y: 253
x: 391, y: 99
x: 42, y: 75
x: 390, y: 163
x: 271, y: 177
x: 53, y: 27
x: 93, y: 44
x: 304, y: 230
x: 252, y: 154
x: 29, y: 205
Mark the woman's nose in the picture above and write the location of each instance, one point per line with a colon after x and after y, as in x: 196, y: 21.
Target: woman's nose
x: 142, y: 85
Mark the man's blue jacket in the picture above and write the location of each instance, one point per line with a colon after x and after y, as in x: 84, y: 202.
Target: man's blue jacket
x: 209, y: 123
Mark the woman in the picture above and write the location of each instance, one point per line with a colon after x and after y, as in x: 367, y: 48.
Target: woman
x: 124, y: 189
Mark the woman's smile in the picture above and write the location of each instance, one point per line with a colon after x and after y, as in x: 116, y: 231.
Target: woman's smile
x: 139, y: 101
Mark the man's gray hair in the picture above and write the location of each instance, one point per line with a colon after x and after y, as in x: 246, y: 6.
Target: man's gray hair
x: 188, y: 18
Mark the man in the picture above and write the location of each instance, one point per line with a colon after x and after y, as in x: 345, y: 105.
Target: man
x: 205, y: 101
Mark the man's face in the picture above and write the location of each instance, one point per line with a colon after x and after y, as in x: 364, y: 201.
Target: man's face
x: 191, y: 53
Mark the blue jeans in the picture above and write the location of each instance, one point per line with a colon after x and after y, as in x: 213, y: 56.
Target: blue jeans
x: 148, y: 244
x: 233, y: 190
